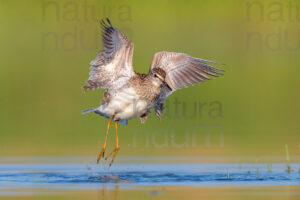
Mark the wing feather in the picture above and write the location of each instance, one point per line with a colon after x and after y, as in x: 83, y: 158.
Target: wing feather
x: 112, y: 67
x: 183, y: 70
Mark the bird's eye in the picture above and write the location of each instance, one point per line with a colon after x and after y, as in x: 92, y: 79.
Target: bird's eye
x: 155, y: 76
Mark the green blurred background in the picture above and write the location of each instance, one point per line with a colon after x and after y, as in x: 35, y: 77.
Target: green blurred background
x: 46, y: 47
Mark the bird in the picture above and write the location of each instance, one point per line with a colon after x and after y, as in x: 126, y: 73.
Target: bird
x: 129, y: 94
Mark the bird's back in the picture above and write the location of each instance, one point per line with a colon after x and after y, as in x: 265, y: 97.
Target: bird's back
x: 132, y: 100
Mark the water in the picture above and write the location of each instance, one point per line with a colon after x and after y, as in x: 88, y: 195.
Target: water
x: 81, y: 176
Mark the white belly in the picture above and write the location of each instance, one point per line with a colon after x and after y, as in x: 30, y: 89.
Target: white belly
x: 125, y: 105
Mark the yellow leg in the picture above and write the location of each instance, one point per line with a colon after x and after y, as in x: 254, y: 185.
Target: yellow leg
x: 104, y: 145
x: 115, y: 151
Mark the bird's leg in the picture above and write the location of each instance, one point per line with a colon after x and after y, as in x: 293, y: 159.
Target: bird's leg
x: 104, y: 145
x: 115, y: 151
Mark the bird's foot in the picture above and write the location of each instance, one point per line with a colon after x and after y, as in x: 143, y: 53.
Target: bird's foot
x: 114, y: 153
x: 100, y: 155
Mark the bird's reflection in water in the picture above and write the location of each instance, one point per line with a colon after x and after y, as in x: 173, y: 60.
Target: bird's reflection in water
x: 104, y: 193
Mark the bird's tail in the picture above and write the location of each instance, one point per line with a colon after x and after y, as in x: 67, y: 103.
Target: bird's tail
x: 89, y: 110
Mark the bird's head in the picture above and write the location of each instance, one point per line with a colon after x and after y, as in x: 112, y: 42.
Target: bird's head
x: 157, y: 76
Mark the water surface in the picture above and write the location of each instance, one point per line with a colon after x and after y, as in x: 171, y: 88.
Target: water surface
x: 81, y: 176
x: 176, y: 181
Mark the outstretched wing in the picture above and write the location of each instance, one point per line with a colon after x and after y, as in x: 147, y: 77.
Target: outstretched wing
x: 182, y: 71
x: 112, y: 67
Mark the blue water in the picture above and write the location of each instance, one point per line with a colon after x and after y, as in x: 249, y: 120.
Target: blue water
x: 80, y: 176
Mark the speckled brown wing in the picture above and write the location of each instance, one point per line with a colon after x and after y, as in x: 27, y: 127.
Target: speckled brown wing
x: 182, y: 71
x: 112, y: 68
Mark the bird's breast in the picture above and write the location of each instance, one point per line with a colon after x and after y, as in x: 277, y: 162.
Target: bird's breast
x: 126, y: 104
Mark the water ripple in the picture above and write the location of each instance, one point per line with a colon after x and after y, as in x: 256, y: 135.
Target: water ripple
x: 77, y: 175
